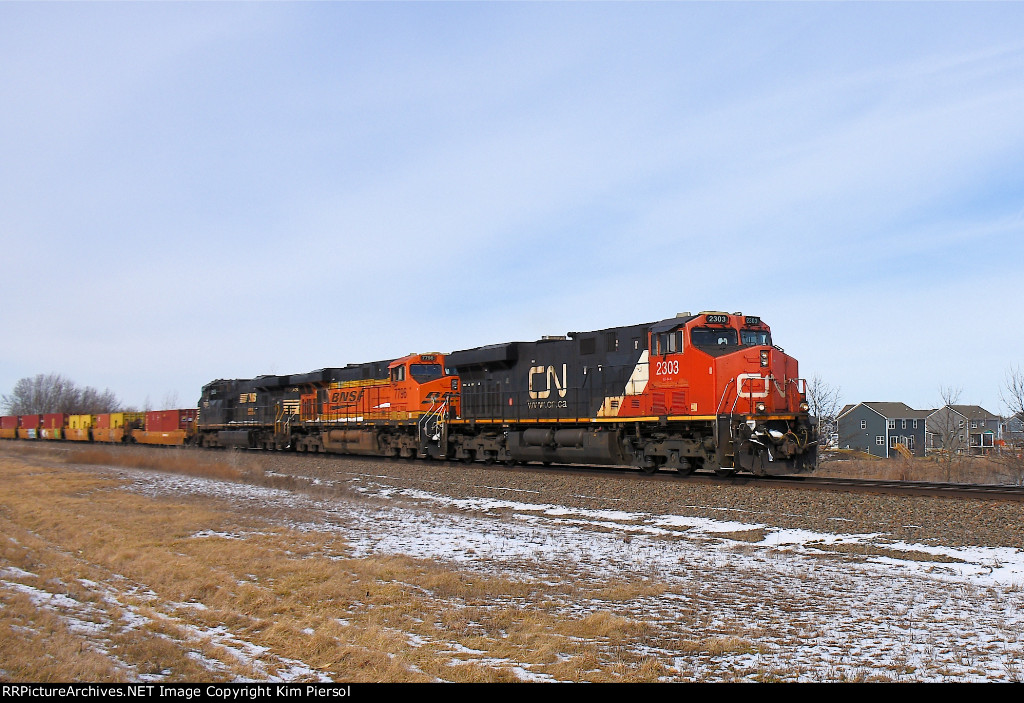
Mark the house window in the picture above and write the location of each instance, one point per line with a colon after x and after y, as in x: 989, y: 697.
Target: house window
x: 880, y: 440
x: 892, y: 424
x: 910, y: 442
x: 892, y: 442
x: 915, y: 424
x: 961, y: 423
x: 863, y: 424
x: 974, y: 425
x: 904, y: 424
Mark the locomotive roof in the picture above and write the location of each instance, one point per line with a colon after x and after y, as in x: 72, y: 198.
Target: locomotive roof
x: 671, y: 323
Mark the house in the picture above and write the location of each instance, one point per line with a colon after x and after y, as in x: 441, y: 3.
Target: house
x: 877, y: 428
x: 963, y: 429
x: 1013, y: 431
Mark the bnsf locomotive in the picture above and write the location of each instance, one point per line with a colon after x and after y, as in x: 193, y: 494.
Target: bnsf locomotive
x: 705, y: 391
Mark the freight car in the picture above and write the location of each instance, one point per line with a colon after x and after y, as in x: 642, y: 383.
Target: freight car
x: 167, y: 427
x: 705, y: 391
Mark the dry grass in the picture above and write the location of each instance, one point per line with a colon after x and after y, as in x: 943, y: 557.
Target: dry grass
x: 958, y: 469
x: 100, y: 584
x: 873, y: 550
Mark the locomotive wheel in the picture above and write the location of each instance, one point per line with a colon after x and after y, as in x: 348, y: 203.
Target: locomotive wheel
x: 647, y: 464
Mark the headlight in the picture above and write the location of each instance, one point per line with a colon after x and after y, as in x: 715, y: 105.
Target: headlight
x: 760, y: 407
x: 764, y: 357
x: 804, y: 407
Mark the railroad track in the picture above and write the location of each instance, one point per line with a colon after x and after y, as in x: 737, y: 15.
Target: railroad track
x: 849, y: 485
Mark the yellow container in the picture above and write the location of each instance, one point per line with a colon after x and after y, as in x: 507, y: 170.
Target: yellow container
x: 126, y: 420
x: 81, y: 422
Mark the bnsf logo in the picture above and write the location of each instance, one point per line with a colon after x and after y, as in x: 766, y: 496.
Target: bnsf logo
x: 338, y: 397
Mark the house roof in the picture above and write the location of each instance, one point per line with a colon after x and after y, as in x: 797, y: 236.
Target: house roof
x: 974, y: 412
x: 888, y: 410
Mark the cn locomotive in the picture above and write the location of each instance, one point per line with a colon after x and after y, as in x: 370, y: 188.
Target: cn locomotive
x: 698, y: 391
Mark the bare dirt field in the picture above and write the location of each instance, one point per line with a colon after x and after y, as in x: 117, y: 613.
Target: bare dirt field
x: 174, y: 565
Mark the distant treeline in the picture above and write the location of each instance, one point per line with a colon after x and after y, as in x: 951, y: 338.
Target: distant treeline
x: 53, y: 393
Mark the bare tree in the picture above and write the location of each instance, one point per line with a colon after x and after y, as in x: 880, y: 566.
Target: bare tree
x: 1011, y: 457
x: 54, y: 393
x: 1013, y: 392
x: 947, y: 428
x: 824, y: 403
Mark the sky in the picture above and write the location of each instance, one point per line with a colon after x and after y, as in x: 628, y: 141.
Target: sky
x: 191, y: 191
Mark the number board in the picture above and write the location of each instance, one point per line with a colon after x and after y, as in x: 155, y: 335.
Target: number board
x: 717, y: 319
x: 748, y: 320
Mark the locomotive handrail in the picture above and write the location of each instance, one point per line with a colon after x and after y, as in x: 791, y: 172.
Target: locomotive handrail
x: 724, y: 392
x: 439, y: 412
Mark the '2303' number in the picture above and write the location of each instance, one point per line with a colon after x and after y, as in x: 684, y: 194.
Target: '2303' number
x: 665, y: 368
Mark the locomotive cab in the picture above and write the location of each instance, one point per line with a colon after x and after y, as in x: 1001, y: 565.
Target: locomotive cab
x: 759, y: 400
x: 421, y: 383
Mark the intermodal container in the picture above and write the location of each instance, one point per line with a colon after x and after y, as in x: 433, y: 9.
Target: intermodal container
x: 170, y: 420
x: 111, y: 427
x: 130, y: 420
x: 81, y: 422
x: 28, y: 426
x: 167, y: 427
x: 80, y: 428
x: 53, y: 425
x: 54, y: 421
x: 9, y: 427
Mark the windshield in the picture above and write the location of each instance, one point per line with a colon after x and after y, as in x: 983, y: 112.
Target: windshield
x: 756, y: 338
x: 707, y: 337
x: 425, y: 372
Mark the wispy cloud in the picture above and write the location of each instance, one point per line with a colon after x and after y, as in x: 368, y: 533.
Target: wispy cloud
x: 292, y: 186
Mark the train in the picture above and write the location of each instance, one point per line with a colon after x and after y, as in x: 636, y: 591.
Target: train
x: 707, y: 391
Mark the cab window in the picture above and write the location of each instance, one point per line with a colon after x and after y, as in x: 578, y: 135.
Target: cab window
x: 708, y: 337
x: 421, y: 373
x: 398, y: 373
x: 668, y: 342
x: 756, y: 338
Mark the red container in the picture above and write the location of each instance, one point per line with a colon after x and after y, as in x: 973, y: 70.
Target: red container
x: 9, y: 422
x: 30, y: 422
x: 170, y: 420
x: 103, y: 421
x: 54, y: 421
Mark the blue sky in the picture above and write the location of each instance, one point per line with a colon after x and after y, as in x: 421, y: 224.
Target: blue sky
x: 191, y: 191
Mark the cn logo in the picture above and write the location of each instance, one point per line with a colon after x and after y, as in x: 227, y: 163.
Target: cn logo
x: 549, y: 375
